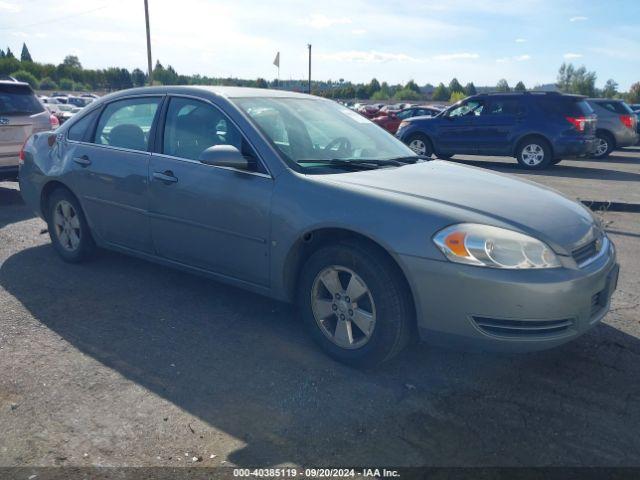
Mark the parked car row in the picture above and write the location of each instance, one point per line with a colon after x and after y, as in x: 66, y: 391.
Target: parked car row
x: 303, y: 200
x: 22, y: 113
x: 539, y: 129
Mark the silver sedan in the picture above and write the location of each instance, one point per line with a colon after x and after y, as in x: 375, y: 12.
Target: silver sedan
x: 306, y: 201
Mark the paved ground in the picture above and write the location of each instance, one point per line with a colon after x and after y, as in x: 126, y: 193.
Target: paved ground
x: 615, y: 179
x: 121, y: 362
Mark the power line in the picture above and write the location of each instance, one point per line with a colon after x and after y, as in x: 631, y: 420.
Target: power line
x: 65, y: 17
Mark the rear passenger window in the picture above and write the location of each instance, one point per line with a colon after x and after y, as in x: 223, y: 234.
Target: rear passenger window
x: 127, y: 123
x: 78, y: 130
x: 616, y: 107
x: 506, y: 107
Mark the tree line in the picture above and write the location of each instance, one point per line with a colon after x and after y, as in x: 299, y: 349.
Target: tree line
x: 70, y: 75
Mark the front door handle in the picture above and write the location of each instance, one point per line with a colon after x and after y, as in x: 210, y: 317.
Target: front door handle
x: 166, y: 177
x: 83, y: 160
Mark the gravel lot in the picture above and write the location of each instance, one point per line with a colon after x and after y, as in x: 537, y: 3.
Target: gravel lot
x: 119, y: 362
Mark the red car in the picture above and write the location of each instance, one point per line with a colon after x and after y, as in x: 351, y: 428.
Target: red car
x: 391, y: 122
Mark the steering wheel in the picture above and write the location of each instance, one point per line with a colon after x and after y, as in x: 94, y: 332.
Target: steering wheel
x: 343, y: 145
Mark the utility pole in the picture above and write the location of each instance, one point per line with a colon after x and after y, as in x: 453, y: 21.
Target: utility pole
x: 309, y: 47
x: 149, y: 65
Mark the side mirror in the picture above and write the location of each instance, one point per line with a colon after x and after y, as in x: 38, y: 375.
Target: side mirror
x: 224, y: 156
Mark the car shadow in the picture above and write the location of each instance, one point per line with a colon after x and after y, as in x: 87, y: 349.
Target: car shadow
x: 560, y: 170
x: 243, y: 364
x: 12, y: 207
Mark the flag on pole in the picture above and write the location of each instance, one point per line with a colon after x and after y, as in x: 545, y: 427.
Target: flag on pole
x: 276, y: 61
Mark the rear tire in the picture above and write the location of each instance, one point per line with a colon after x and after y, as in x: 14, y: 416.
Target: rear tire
x: 604, y: 146
x: 534, y: 153
x: 377, y: 322
x: 68, y: 228
x: 420, y: 144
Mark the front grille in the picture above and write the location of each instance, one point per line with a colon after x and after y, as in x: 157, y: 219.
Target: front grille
x: 522, y: 328
x: 584, y: 253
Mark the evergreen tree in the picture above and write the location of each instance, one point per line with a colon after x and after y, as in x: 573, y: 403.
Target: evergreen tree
x: 2, y: 54
x: 610, y: 89
x: 25, y: 56
x: 470, y: 89
x: 411, y: 85
x: 454, y: 86
x: 520, y: 87
x: 9, y: 53
x: 441, y: 93
x: 138, y: 78
x: 502, y: 86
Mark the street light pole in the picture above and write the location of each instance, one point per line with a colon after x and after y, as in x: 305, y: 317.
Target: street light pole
x: 309, y: 46
x: 149, y: 66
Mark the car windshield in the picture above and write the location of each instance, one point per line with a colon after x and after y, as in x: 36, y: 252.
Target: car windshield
x: 312, y: 133
x: 18, y: 100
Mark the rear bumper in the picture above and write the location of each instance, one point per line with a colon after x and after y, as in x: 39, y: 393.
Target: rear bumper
x: 504, y: 310
x: 574, y: 147
x: 8, y: 171
x: 626, y: 138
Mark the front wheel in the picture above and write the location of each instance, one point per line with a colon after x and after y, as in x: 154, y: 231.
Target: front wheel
x: 421, y: 145
x: 355, y: 304
x: 534, y: 154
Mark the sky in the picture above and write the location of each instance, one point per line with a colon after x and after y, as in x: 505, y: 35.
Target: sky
x: 429, y: 41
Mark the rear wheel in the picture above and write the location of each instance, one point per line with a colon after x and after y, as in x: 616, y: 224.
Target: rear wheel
x: 605, y: 144
x: 534, y: 153
x: 420, y: 144
x: 68, y: 227
x: 355, y: 304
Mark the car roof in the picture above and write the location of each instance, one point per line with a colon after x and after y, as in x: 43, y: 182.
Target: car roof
x: 605, y: 100
x: 222, y: 91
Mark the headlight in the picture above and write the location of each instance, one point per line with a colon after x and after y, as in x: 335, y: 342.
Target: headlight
x: 403, y: 124
x: 487, y: 246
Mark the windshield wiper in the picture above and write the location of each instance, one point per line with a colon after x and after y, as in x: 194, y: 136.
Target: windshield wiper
x: 339, y: 162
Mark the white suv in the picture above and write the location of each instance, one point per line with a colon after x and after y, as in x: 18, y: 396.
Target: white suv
x: 21, y: 114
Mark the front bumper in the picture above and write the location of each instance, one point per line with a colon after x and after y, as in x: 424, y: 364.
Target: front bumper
x: 509, y: 310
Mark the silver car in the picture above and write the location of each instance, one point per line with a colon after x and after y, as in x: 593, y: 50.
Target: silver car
x: 21, y: 114
x: 303, y: 200
x: 616, y: 126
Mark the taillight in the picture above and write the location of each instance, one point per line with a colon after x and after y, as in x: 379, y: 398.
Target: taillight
x: 21, y: 154
x: 628, y: 121
x: 578, y: 122
x: 53, y: 120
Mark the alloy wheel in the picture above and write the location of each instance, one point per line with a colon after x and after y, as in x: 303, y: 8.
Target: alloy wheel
x: 343, y: 307
x: 601, y: 147
x: 67, y: 225
x: 418, y: 146
x: 533, y: 154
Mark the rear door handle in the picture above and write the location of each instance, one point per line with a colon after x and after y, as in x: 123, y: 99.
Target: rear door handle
x: 83, y: 160
x: 166, y: 177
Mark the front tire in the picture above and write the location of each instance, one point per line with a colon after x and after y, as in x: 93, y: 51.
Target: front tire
x: 605, y: 143
x: 534, y: 154
x: 420, y: 144
x: 355, y: 304
x: 68, y: 228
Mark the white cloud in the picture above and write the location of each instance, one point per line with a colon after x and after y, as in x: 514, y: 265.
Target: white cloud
x: 578, y: 19
x: 520, y: 40
x: 358, y: 31
x: 10, y: 7
x: 371, y: 56
x: 517, y: 58
x: 320, y: 21
x: 571, y: 56
x: 456, y: 56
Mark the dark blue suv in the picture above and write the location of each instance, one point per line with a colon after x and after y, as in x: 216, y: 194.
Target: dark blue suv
x: 538, y: 128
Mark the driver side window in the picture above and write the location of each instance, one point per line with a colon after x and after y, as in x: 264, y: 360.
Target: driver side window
x: 192, y: 126
x: 469, y: 108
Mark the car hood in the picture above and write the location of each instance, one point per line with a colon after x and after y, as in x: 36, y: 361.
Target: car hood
x: 471, y: 194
